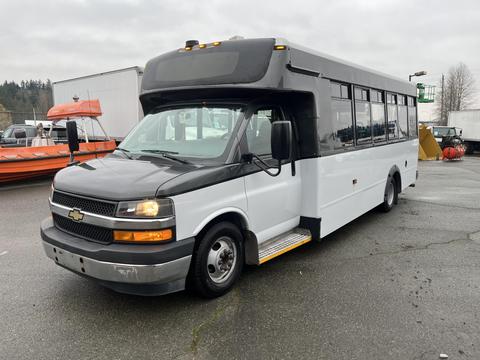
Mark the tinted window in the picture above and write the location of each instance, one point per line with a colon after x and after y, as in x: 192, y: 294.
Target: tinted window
x: 392, y: 121
x: 402, y: 122
x: 391, y: 99
x: 411, y: 101
x: 231, y: 62
x: 361, y: 94
x: 412, y: 119
x: 342, y: 123
x: 259, y: 130
x: 376, y: 96
x: 362, y: 118
x: 378, y: 122
x: 335, y: 90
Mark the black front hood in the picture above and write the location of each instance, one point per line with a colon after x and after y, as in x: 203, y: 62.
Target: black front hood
x: 118, y: 178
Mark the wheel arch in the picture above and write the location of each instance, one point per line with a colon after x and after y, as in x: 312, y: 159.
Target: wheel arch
x: 240, y: 219
x: 233, y: 215
x: 396, y: 175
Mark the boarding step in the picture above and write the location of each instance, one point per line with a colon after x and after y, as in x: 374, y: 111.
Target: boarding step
x: 283, y: 243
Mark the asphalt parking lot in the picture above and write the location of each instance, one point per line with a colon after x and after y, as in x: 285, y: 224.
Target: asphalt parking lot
x: 401, y: 285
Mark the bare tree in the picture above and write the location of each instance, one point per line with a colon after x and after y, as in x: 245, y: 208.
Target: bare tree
x: 456, y: 93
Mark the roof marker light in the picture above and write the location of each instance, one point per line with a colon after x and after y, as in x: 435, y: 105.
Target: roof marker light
x: 216, y: 43
x: 279, y: 47
x: 188, y: 48
x: 202, y: 46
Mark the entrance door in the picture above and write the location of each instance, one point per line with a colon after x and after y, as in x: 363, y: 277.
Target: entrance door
x: 273, y: 202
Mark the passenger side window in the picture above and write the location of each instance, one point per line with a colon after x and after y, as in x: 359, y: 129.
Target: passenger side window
x: 392, y: 117
x: 259, y: 130
x: 342, y: 118
x: 412, y: 117
x: 363, y: 128
x: 378, y: 116
x: 402, y: 117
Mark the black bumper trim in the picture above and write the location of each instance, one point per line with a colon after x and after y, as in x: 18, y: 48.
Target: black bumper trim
x: 141, y: 254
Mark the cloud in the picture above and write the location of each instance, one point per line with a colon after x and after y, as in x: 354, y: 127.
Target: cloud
x: 63, y: 39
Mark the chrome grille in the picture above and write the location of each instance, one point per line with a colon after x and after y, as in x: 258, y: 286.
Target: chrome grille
x: 100, y: 207
x: 83, y: 230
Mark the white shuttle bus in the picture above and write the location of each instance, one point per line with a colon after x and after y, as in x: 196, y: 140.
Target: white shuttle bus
x: 249, y: 149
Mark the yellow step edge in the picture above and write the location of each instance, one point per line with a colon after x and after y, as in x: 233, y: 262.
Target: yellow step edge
x: 283, y: 251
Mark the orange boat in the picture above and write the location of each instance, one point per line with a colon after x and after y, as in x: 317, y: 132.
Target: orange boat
x: 44, y: 156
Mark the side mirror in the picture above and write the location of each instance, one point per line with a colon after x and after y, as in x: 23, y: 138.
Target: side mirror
x: 72, y: 136
x: 281, y: 140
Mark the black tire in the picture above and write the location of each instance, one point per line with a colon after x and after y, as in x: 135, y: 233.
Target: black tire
x: 202, y: 279
x: 390, y: 196
x: 468, y: 148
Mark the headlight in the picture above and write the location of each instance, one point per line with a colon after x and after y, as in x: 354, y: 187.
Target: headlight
x: 147, y: 209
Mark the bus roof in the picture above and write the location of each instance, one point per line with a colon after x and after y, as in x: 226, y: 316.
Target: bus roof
x: 251, y: 63
x: 331, y: 67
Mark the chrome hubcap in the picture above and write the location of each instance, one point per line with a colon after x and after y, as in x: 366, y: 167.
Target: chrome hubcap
x: 221, y: 259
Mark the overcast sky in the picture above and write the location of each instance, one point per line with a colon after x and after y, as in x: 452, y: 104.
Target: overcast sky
x: 63, y: 39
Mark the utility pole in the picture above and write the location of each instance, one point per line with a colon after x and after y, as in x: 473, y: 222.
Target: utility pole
x: 442, y: 116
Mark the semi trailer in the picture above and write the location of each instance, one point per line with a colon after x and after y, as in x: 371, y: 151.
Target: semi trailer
x: 118, y: 91
x: 469, y: 122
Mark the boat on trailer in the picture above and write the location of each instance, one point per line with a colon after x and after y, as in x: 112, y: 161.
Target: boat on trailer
x: 46, y: 156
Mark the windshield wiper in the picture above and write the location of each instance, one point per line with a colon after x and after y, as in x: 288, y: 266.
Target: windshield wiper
x: 167, y: 154
x: 125, y: 151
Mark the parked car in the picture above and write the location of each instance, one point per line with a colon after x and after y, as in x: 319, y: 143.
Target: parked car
x: 17, y: 135
x: 22, y: 135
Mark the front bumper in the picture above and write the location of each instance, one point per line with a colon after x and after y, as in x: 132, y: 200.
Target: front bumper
x: 129, y: 268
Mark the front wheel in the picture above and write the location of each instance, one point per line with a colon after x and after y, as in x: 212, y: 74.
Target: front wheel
x: 391, y: 195
x: 218, y: 260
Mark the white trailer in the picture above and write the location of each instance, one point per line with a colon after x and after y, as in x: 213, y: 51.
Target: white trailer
x: 118, y: 92
x: 469, y: 122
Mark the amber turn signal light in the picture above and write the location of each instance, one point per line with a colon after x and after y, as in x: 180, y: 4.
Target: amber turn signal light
x: 143, y: 236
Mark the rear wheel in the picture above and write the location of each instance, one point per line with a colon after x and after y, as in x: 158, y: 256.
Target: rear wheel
x: 391, y: 195
x: 218, y: 260
x: 468, y: 148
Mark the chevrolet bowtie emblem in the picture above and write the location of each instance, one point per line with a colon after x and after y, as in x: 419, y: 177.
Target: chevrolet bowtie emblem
x: 75, y: 215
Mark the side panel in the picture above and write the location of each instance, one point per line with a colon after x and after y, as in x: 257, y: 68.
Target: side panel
x: 274, y: 203
x: 118, y: 93
x: 193, y: 210
x: 339, y: 188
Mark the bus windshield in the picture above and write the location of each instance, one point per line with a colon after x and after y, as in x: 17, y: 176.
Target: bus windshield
x: 195, y: 132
